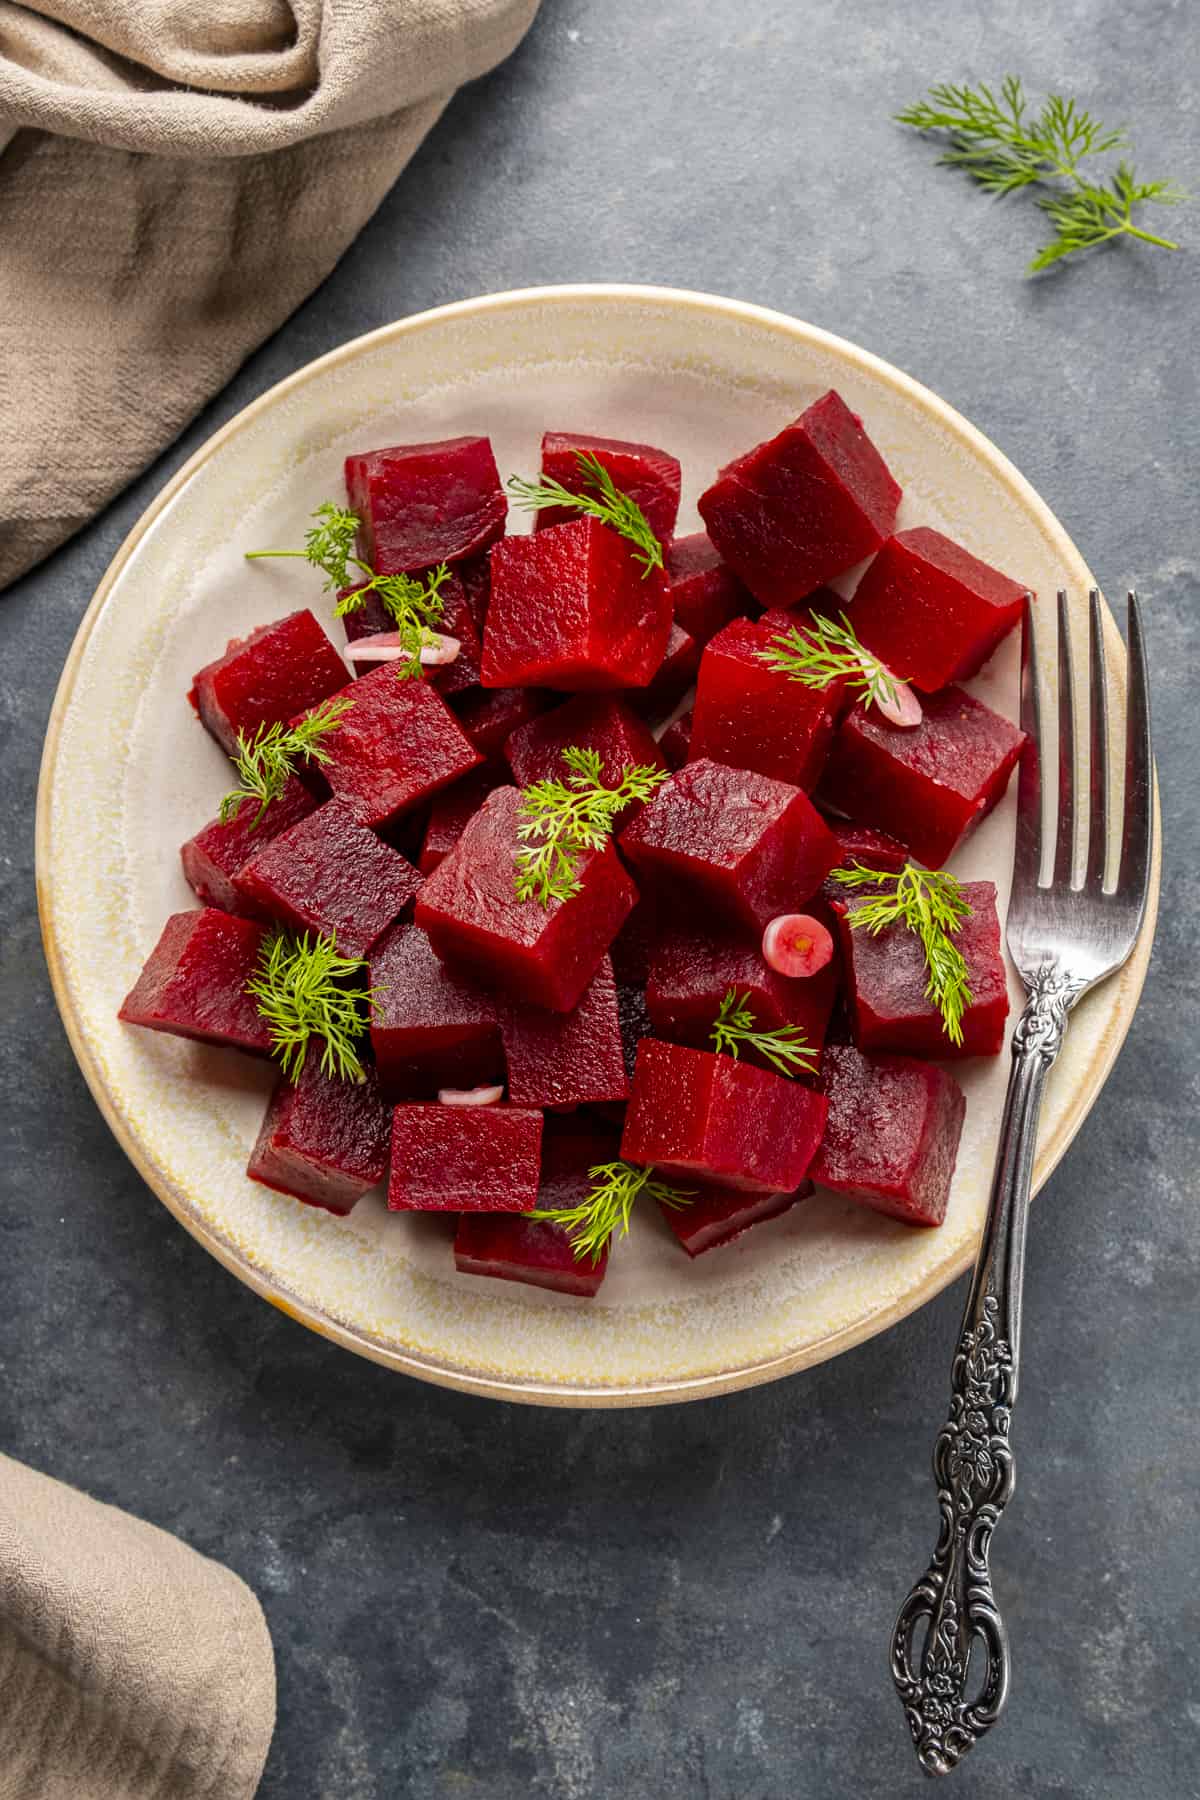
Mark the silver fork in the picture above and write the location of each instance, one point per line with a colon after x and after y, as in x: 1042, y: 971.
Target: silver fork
x: 1064, y: 935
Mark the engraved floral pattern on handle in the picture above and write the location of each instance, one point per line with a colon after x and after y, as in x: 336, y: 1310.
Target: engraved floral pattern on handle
x: 950, y: 1655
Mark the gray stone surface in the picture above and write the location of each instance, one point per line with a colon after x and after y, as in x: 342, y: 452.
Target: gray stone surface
x: 468, y: 1599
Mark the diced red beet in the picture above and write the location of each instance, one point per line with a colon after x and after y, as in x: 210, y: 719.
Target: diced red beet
x: 753, y: 716
x: 330, y: 874
x: 540, y: 955
x: 886, y: 979
x: 600, y: 722
x: 194, y: 982
x: 214, y: 856
x: 931, y: 785
x: 465, y: 1159
x: 429, y: 1028
x: 676, y: 674
x: 452, y: 811
x: 573, y: 608
x: 676, y: 740
x: 323, y: 1141
x: 457, y: 621
x: 804, y: 506
x: 693, y: 1113
x: 650, y: 477
x: 567, y: 1059
x: 538, y: 1251
x: 423, y: 504
x: 696, y: 964
x: 398, y: 742
x: 717, y: 1215
x: 863, y: 844
x: 637, y: 939
x: 931, y: 611
x: 752, y: 846
x: 891, y: 1137
x: 705, y: 595
x: 489, y: 716
x: 280, y: 670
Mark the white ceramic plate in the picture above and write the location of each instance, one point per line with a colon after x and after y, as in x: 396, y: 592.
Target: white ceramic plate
x: 128, y: 774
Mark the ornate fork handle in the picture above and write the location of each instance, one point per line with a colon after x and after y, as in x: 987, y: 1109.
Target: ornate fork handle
x: 947, y: 1710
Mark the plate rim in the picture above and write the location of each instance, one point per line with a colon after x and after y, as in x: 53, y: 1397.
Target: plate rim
x: 422, y: 1365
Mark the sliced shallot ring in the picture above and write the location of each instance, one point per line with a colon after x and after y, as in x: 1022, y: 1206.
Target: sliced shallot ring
x: 479, y: 1096
x: 900, y: 706
x: 385, y: 646
x: 796, y: 944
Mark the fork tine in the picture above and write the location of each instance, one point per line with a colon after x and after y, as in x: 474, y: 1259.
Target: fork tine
x: 1101, y: 775
x: 1064, y: 844
x: 1134, y: 877
x: 1027, y: 858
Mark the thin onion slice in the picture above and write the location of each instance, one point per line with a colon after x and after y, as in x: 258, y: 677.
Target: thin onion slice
x: 901, y: 707
x: 480, y: 1096
x: 385, y: 646
x: 796, y: 944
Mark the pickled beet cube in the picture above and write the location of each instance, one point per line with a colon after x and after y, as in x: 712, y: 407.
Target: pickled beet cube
x: 931, y: 611
x: 452, y: 811
x: 891, y: 1137
x: 457, y: 621
x: 693, y: 1113
x: 695, y: 964
x: 323, y: 1141
x: 537, y: 1251
x: 597, y: 722
x: 267, y: 678
x: 561, y: 1059
x: 650, y: 477
x: 863, y: 844
x: 423, y: 504
x: 573, y: 608
x: 489, y: 716
x: 540, y: 955
x: 751, y: 846
x: 215, y: 855
x: 194, y: 982
x: 886, y: 978
x: 398, y: 742
x: 330, y: 874
x: 676, y: 674
x: 930, y: 785
x: 804, y: 506
x: 676, y: 741
x: 755, y: 717
x: 705, y: 595
x: 635, y: 943
x: 429, y: 1028
x: 465, y: 1159
x: 476, y: 577
x: 717, y: 1215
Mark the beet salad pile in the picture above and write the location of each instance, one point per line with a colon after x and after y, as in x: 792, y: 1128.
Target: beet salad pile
x: 536, y: 959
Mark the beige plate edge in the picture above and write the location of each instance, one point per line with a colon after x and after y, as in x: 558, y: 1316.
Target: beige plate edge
x: 1050, y: 1152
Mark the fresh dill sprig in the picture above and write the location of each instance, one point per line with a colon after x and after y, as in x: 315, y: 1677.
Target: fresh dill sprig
x: 560, y: 820
x: 615, y: 1187
x: 931, y: 903
x: 327, y: 544
x: 602, y: 500
x: 299, y: 989
x: 265, y: 761
x: 414, y: 607
x: 1004, y: 147
x: 825, y: 651
x: 785, y: 1048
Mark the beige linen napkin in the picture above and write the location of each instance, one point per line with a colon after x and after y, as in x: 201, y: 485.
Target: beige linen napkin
x: 175, y: 177
x: 131, y: 1668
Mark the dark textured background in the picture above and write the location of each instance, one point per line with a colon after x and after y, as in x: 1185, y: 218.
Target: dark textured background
x: 469, y: 1599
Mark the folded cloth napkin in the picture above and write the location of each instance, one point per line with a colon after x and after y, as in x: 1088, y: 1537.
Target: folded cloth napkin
x: 175, y: 177
x: 131, y: 1668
